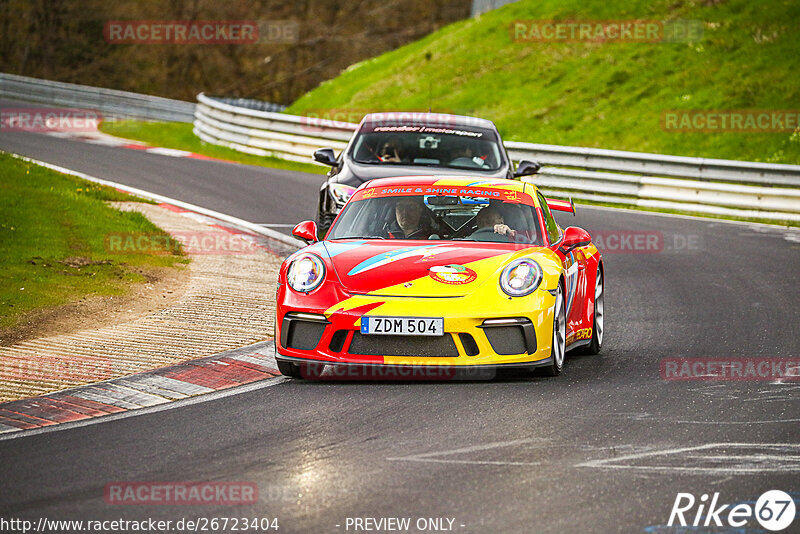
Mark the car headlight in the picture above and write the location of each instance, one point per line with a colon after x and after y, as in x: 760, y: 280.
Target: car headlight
x: 305, y: 273
x: 341, y: 193
x: 521, y: 277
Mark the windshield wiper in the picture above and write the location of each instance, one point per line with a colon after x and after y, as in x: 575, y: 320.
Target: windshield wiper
x: 361, y: 237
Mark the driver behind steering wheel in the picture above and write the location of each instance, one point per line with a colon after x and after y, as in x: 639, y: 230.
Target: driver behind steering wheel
x: 489, y: 219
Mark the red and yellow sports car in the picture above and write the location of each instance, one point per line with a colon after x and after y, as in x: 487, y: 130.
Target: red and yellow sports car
x: 441, y: 271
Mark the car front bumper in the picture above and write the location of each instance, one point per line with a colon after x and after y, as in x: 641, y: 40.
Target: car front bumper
x: 502, y: 332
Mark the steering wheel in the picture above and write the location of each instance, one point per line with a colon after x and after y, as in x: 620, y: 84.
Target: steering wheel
x: 488, y: 234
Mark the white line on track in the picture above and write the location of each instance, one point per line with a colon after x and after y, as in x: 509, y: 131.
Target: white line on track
x: 429, y: 456
x: 776, y: 460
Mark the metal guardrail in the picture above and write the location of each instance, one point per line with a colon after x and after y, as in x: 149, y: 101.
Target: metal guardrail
x: 266, y: 133
x: 109, y: 102
x: 249, y: 103
x: 713, y: 186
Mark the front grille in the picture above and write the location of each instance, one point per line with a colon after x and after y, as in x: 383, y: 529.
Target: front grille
x: 424, y: 346
x: 506, y: 340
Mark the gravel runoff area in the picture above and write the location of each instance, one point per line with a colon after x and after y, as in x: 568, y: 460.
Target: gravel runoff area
x: 227, y: 303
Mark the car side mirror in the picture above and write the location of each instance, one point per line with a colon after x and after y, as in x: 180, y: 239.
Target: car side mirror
x: 574, y: 237
x: 307, y: 231
x: 326, y: 156
x: 526, y: 168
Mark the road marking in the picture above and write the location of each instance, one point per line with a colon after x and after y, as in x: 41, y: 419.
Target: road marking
x: 175, y: 153
x: 765, y: 422
x: 429, y: 456
x: 765, y: 457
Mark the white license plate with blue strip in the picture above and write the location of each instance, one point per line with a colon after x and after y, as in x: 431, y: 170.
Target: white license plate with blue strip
x: 403, y: 326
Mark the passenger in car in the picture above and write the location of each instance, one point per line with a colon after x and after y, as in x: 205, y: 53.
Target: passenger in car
x: 391, y: 151
x: 412, y: 219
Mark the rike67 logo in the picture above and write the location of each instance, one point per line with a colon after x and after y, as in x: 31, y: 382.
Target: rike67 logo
x: 774, y: 511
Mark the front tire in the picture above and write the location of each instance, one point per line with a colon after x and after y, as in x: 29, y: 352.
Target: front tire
x: 558, y: 348
x: 292, y: 370
x: 324, y: 222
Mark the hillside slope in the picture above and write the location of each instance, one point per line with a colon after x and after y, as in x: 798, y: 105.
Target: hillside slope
x: 597, y: 94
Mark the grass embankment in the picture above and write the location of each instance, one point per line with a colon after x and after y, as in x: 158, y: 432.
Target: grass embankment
x: 52, y: 241
x: 595, y: 94
x: 179, y: 136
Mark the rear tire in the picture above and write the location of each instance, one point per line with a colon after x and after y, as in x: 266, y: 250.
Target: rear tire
x: 292, y: 370
x: 559, y: 344
x: 599, y: 320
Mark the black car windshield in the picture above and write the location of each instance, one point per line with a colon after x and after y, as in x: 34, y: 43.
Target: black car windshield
x: 453, y: 146
x: 438, y: 217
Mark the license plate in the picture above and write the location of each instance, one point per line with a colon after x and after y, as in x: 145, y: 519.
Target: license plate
x: 403, y: 326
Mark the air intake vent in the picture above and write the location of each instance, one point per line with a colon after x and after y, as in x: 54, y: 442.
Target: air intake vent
x: 337, y: 341
x: 470, y: 347
x: 301, y: 334
x: 511, y: 335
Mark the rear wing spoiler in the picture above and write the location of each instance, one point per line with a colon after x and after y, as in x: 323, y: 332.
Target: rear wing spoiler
x: 561, y: 205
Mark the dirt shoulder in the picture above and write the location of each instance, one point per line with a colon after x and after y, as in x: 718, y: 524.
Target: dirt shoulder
x: 164, y: 287
x: 222, y: 300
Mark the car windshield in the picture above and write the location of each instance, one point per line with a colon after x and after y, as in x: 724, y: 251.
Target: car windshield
x: 439, y: 217
x: 458, y: 147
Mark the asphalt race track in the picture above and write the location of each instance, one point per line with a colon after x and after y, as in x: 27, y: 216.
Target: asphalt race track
x: 605, y: 447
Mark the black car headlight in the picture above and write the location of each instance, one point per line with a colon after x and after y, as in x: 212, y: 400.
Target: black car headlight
x: 341, y: 193
x: 305, y: 273
x: 521, y: 277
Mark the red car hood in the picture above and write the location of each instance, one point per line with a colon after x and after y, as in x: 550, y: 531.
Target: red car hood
x: 404, y: 268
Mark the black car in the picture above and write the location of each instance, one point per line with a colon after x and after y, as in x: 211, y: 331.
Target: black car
x: 412, y: 144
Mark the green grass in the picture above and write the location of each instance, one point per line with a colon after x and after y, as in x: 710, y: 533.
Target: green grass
x: 179, y: 136
x: 52, y: 237
x: 606, y: 95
